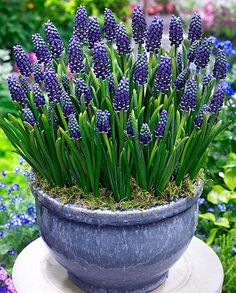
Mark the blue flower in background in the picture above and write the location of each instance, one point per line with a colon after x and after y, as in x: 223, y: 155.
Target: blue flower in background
x: 228, y: 88
x: 1, y: 198
x: 221, y: 207
x: 4, y: 173
x: 201, y: 201
x: 234, y: 249
x: 2, y: 185
x: 7, y: 225
x: 21, y: 161
x: 30, y: 208
x: 210, y: 210
x: 1, y: 233
x: 216, y: 247
x: 3, y: 207
x: 11, y: 252
x: 16, y: 199
x: 13, y: 187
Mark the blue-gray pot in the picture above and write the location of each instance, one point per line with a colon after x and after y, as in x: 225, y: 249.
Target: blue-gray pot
x: 117, y: 251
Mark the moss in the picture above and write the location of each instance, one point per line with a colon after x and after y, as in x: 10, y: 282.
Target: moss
x: 138, y: 199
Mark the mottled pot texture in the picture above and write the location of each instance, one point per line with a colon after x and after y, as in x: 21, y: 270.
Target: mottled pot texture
x: 117, y: 251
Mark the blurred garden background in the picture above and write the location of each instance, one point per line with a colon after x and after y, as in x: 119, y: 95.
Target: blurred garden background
x: 217, y: 218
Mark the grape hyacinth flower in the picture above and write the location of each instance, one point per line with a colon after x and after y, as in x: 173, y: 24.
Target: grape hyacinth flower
x: 129, y: 128
x: 199, y: 119
x: 202, y: 57
x: 141, y: 69
x: 81, y: 24
x: 163, y: 74
x: 111, y: 85
x: 154, y: 35
x: 182, y: 79
x: 175, y: 31
x: 38, y: 74
x: 207, y: 78
x: 81, y: 88
x: 28, y: 116
x: 139, y: 26
x: 217, y: 100
x: 54, y: 40
x: 189, y: 98
x: 39, y: 98
x: 41, y: 50
x: 145, y: 135
x: 102, y: 121
x: 52, y: 86
x: 195, y: 28
x: 192, y: 51
x: 122, y: 40
x: 160, y: 129
x: 24, y: 84
x: 94, y: 33
x: 121, y: 98
x: 16, y: 91
x: 67, y: 105
x: 22, y: 61
x: 73, y: 127
x: 179, y: 62
x: 101, y: 61
x: 75, y: 56
x: 220, y: 66
x: 110, y: 25
x: 65, y: 83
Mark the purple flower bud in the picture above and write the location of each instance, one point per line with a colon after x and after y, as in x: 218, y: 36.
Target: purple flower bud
x: 28, y: 116
x: 175, y: 31
x: 38, y: 74
x: 182, y: 79
x: 16, y: 91
x: 101, y: 61
x: 141, y: 69
x: 111, y: 85
x: 54, y: 40
x: 102, y: 121
x: 67, y: 105
x: 81, y: 24
x: 24, y: 84
x: 74, y: 128
x: 179, y: 62
x: 22, y: 61
x: 139, y: 26
x: 217, y: 100
x: 154, y: 35
x: 199, y: 119
x: 220, y: 67
x: 202, y: 57
x: 75, y: 56
x: 192, y: 51
x: 52, y: 86
x: 129, y: 127
x: 163, y: 74
x: 39, y: 98
x: 65, y: 82
x: 81, y: 88
x: 41, y: 50
x: 122, y: 40
x: 94, y: 33
x: 161, y: 125
x: 145, y: 135
x: 110, y: 25
x: 189, y: 98
x: 195, y: 28
x: 206, y: 80
x: 52, y: 115
x: 121, y: 98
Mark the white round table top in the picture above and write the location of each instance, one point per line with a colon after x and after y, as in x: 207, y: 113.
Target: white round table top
x: 198, y: 271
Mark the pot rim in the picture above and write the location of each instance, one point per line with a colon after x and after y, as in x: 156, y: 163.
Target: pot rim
x: 105, y: 216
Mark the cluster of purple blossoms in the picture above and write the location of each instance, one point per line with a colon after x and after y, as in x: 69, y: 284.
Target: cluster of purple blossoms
x: 38, y: 74
x: 220, y: 66
x: 110, y: 25
x: 161, y: 125
x: 182, y: 79
x: 16, y: 91
x: 74, y: 128
x: 6, y: 283
x: 52, y: 86
x: 24, y: 84
x: 101, y: 61
x: 41, y: 50
x: 192, y: 51
x: 139, y: 26
x: 176, y: 31
x: 179, y: 62
x: 102, y: 121
x: 22, y: 61
x: 141, y: 69
x: 81, y: 89
x: 67, y: 105
x: 122, y: 40
x: 195, y: 28
x: 217, y: 100
x: 121, y: 98
x: 199, y: 119
x: 111, y: 84
x: 129, y: 128
x: 189, y: 98
x: 207, y: 78
x: 54, y: 40
x: 65, y: 82
x: 154, y: 35
x: 39, y: 98
x: 81, y: 24
x: 75, y: 55
x: 94, y: 33
x: 28, y: 116
x: 145, y: 135
x: 163, y: 74
x: 203, y: 53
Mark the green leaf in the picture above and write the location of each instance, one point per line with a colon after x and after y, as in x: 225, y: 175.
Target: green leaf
x: 218, y: 194
x: 230, y: 178
x: 208, y: 216
x: 212, y: 235
x: 222, y: 222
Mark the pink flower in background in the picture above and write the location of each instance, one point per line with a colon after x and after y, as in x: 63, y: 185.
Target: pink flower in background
x: 32, y: 58
x: 6, y: 284
x: 208, y: 14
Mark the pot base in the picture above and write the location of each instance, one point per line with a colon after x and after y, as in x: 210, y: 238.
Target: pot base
x: 144, y: 289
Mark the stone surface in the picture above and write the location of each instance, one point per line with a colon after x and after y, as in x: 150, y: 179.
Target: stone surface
x: 198, y: 270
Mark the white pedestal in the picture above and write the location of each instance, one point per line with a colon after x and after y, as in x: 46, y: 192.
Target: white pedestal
x: 198, y: 271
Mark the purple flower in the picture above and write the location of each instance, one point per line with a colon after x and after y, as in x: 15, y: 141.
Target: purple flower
x: 192, y: 51
x: 28, y: 116
x: 94, y: 33
x: 4, y: 174
x: 202, y: 57
x: 11, y: 252
x: 39, y: 98
x: 221, y: 207
x: 217, y: 100
x: 22, y: 61
x: 30, y: 208
x: 65, y: 82
x: 182, y: 79
x: 111, y: 85
x: 52, y: 86
x: 38, y: 74
x: 81, y: 88
x: 1, y: 235
x: 139, y: 26
x: 145, y: 135
x: 3, y: 207
x: 74, y: 128
x: 8, y: 225
x: 101, y: 61
x: 199, y: 119
x: 220, y: 66
x: 121, y: 98
x: 189, y: 98
x: 16, y: 91
x: 154, y: 35
x: 141, y: 69
x: 67, y: 105
x: 110, y: 25
x: 229, y: 90
x: 129, y: 127
x: 175, y: 31
x: 207, y: 78
x: 195, y: 28
x: 16, y: 199
x: 13, y: 187
x: 122, y: 40
x: 163, y: 74
x: 1, y: 198
x: 102, y: 121
x: 3, y: 274
x: 75, y: 56
x: 24, y: 85
x: 54, y: 40
x: 201, y: 201
x: 81, y: 24
x: 41, y: 50
x: 160, y: 129
x: 179, y: 62
x: 2, y: 184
